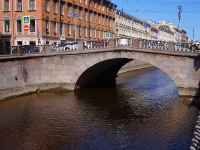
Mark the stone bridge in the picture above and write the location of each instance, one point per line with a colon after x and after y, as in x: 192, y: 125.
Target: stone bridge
x: 22, y: 74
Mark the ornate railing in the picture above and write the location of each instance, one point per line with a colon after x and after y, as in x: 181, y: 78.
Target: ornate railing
x: 153, y: 44
x: 95, y: 44
x: 8, y: 50
x: 185, y: 47
x: 136, y: 43
x: 64, y: 47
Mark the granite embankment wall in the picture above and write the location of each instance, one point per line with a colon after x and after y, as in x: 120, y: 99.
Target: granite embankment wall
x: 27, y: 75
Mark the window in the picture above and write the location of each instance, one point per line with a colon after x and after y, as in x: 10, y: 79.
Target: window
x: 106, y: 9
x: 54, y: 27
x: 90, y: 3
x: 74, y: 9
x: 98, y: 18
x: 6, y: 5
x: 94, y: 4
x: 32, y: 25
x: 85, y: 2
x: 19, y: 5
x: 68, y: 11
x: 62, y: 28
x: 90, y: 32
x: 54, y: 7
x: 68, y: 29
x: 99, y: 34
x: 102, y: 20
x: 47, y: 25
x: 85, y: 31
x: 80, y: 14
x: 90, y: 16
x: 102, y: 34
x: 94, y: 17
x: 85, y: 15
x: 7, y: 25
x: 94, y: 32
x: 79, y: 1
x: 79, y: 27
x: 109, y: 10
x: 62, y: 9
x: 47, y: 5
x: 99, y: 6
x: 106, y: 21
x: 19, y: 25
x: 109, y: 22
x: 31, y: 4
x: 102, y: 8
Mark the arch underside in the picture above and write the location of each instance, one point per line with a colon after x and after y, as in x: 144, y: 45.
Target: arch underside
x: 101, y: 74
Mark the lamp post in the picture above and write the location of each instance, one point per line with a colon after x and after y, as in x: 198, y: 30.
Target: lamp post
x: 179, y: 16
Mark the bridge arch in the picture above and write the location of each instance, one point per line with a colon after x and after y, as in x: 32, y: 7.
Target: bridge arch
x: 108, y: 64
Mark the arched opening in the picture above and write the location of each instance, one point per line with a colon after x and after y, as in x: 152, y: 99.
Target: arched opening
x: 101, y: 74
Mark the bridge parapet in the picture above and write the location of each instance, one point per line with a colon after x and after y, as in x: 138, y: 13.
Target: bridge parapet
x: 134, y: 43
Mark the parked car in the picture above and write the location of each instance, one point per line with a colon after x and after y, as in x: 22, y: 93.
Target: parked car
x: 67, y: 46
x: 87, y: 45
x: 195, y: 46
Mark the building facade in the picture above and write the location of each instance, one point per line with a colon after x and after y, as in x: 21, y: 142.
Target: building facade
x: 127, y: 26
x: 184, y: 38
x: 11, y: 26
x: 53, y: 18
x: 154, y: 30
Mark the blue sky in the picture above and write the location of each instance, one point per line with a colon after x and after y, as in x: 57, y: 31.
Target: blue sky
x: 157, y: 10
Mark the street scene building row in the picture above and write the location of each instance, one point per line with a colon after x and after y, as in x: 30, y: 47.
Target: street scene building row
x: 127, y: 26
x: 53, y: 19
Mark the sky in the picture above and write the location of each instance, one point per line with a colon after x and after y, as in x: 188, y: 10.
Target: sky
x: 157, y: 10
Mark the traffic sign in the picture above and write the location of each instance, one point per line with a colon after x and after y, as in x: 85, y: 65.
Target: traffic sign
x: 180, y: 8
x: 38, y: 35
x: 26, y: 20
x: 26, y: 28
x: 146, y: 32
x: 107, y: 35
x: 74, y: 15
x: 75, y: 20
x: 145, y: 25
x: 62, y: 37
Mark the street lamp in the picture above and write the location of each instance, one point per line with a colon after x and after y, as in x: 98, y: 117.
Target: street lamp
x: 179, y: 16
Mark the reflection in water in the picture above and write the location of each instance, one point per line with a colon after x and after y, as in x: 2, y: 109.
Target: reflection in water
x: 142, y: 112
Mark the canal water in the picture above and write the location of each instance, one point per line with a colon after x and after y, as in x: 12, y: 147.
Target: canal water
x: 143, y: 111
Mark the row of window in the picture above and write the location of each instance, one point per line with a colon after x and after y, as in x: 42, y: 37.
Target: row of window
x: 69, y: 29
x: 62, y: 24
x: 55, y: 7
x: 19, y: 5
x: 18, y: 25
x: 128, y: 23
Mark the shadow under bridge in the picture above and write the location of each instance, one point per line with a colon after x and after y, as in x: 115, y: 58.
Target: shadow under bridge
x: 102, y: 74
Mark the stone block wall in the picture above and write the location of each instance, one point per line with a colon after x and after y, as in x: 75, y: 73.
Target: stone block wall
x: 26, y: 73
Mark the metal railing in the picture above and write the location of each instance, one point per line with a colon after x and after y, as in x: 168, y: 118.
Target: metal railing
x: 8, y: 50
x: 64, y: 47
x: 95, y: 44
x: 153, y: 44
x: 185, y: 47
x: 142, y: 43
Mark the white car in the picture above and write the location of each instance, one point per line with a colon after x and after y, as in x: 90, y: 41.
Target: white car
x: 195, y: 46
x: 87, y: 45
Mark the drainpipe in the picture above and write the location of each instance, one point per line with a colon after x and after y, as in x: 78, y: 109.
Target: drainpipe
x: 12, y: 26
